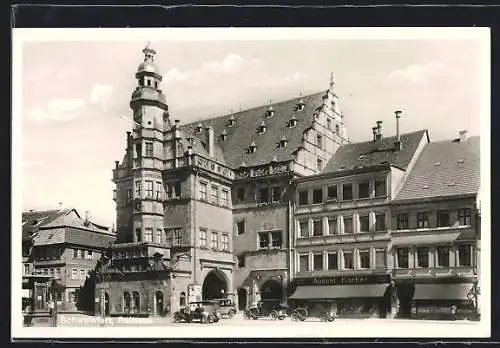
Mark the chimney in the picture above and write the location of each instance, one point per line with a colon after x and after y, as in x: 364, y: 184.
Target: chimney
x: 379, y: 130
x: 397, y: 143
x: 210, y: 141
x: 463, y: 135
x: 177, y: 131
x: 129, y: 149
x: 374, y: 130
x: 60, y: 206
x: 116, y: 164
x: 86, y: 221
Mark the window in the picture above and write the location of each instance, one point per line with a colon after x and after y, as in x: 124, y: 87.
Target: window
x: 240, y: 193
x: 224, y: 198
x: 159, y: 189
x: 402, y: 221
x: 75, y: 253
x: 364, y: 259
x: 380, y: 222
x: 138, y: 234
x: 182, y: 299
x: 304, y: 228
x: 51, y: 271
x: 319, y: 141
x: 215, y: 240
x: 26, y: 269
x: 149, y: 189
x: 138, y: 189
x: 149, y: 149
x: 422, y: 257
x: 148, y: 235
x: 158, y: 236
x: 303, y: 197
x: 46, y: 271
x: 317, y: 196
x: 82, y: 274
x: 276, y: 239
x: 177, y: 236
x: 364, y: 190
x: 443, y: 218
x: 241, y: 261
x: 277, y: 194
x: 332, y: 226
x: 304, y: 263
x: 203, y: 191
x: 89, y: 255
x: 348, y: 225
x: 203, y: 238
x: 168, y: 237
x: 177, y: 190
x: 422, y: 220
x: 263, y: 240
x: 380, y: 188
x: 348, y: 260
x: 58, y: 273
x: 464, y: 217
x: 364, y: 223
x: 319, y: 164
x: 333, y: 261
x: 318, y: 262
x: 380, y: 258
x: 129, y: 196
x: 331, y: 192
x: 214, y: 193
x: 346, y: 192
x: 464, y: 256
x: 225, y: 242
x: 240, y: 226
x: 74, y: 273
x: 318, y: 228
x: 337, y: 129
x: 329, y: 124
x: 402, y: 257
x: 443, y: 256
x: 81, y: 254
x: 114, y: 195
x: 263, y: 195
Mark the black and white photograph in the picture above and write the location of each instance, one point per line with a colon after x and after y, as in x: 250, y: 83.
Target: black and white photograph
x: 251, y: 182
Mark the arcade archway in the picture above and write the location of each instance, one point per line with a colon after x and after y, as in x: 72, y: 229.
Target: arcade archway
x: 271, y: 290
x: 242, y: 299
x: 214, y: 285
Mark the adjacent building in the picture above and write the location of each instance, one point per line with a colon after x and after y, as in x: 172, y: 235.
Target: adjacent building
x: 60, y: 245
x: 436, y: 230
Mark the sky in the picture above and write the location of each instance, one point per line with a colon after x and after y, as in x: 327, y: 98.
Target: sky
x: 75, y: 97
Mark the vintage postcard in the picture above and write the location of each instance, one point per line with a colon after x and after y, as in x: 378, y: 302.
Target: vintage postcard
x: 251, y: 182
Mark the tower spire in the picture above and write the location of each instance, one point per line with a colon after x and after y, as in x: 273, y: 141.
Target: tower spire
x: 148, y: 52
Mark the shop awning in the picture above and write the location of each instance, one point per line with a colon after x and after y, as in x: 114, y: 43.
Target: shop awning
x: 429, y: 292
x: 423, y: 239
x: 338, y: 291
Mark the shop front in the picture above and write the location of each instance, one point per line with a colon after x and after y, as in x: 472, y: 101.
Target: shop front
x: 444, y: 301
x: 347, y: 296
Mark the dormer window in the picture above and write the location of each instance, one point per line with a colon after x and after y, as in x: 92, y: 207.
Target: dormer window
x: 293, y: 122
x: 252, y: 147
x: 190, y: 140
x: 283, y: 141
x: 262, y: 128
x: 301, y: 104
x: 270, y: 110
x: 199, y: 128
x: 231, y: 121
x: 223, y: 135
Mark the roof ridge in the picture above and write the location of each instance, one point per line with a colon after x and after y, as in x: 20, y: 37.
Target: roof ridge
x: 252, y: 108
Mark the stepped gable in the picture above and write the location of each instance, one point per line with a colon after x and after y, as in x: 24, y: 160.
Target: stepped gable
x: 245, y: 130
x: 445, y: 168
x: 373, y: 153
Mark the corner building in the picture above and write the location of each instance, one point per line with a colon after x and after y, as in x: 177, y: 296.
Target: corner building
x: 205, y: 210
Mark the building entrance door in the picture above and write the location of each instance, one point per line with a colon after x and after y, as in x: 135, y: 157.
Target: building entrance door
x: 242, y: 299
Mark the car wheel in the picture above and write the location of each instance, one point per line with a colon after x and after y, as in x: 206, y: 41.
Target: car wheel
x: 294, y: 316
x: 281, y: 317
x: 177, y: 318
x: 331, y: 318
x: 216, y: 319
x: 302, y: 317
x: 273, y: 315
x: 246, y: 314
x: 231, y: 314
x: 323, y: 317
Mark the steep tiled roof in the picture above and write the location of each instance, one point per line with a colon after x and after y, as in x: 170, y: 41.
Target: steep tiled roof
x: 372, y: 153
x: 444, y: 168
x: 33, y: 220
x: 233, y: 149
x: 74, y: 236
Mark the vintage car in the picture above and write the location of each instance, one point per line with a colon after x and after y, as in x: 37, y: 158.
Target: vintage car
x: 203, y: 311
x: 226, y: 307
x: 272, y: 309
x: 324, y: 313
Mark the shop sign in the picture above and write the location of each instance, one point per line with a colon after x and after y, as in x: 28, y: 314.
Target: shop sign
x: 345, y: 280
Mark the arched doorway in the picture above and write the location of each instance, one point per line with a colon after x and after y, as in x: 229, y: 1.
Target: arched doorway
x: 126, y: 302
x: 106, y: 303
x: 182, y: 299
x: 242, y: 299
x: 214, y: 285
x: 137, y: 301
x: 271, y: 290
x: 159, y: 303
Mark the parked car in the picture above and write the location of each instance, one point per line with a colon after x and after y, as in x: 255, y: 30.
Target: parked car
x: 227, y: 308
x: 203, y: 311
x: 324, y: 313
x: 272, y: 309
